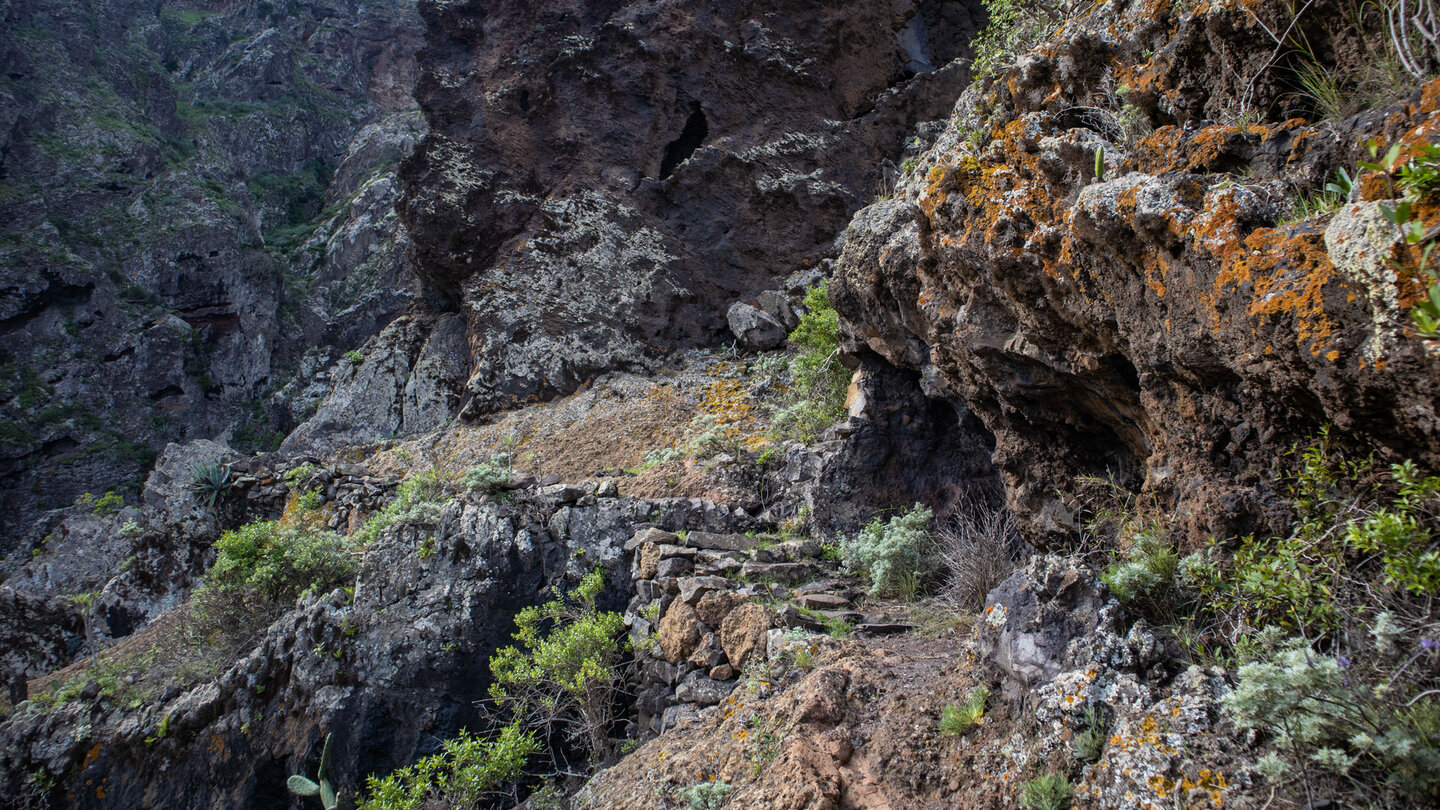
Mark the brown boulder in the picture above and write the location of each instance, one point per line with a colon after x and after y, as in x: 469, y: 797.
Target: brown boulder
x: 680, y: 632
x: 647, y: 561
x: 743, y: 631
x: 714, y: 606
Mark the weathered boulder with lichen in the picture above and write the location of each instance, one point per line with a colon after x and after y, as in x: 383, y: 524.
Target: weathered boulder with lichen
x: 1162, y: 324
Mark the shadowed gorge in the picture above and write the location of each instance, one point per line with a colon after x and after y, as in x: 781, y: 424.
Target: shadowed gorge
x: 825, y: 405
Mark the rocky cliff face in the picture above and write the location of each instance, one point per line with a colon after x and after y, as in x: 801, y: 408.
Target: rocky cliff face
x: 389, y: 672
x: 602, y: 179
x: 196, y: 207
x: 1161, y: 324
x: 241, y: 228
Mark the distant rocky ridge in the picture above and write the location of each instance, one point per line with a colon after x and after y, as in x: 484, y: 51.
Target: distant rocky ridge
x: 196, y: 212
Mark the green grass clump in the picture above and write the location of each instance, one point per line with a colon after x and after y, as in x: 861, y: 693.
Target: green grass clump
x: 957, y: 719
x: 1089, y: 742
x: 1048, y: 792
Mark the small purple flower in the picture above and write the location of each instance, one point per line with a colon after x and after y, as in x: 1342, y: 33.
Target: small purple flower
x: 1342, y: 661
x: 1429, y: 644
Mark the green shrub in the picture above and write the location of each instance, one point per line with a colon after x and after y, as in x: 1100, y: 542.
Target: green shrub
x: 1346, y: 716
x: 565, y: 668
x: 278, y: 563
x: 711, y: 795
x: 1398, y: 534
x: 308, y: 500
x: 1333, y: 629
x: 104, y: 506
x: 354, y: 357
x: 957, y: 719
x: 1145, y: 575
x: 1362, y: 534
x: 1048, y: 792
x: 466, y: 771
x: 899, y: 556
x: 1419, y: 177
x: 488, y: 477
x: 297, y: 477
x: 416, y: 501
x: 1015, y: 27
x: 817, y: 381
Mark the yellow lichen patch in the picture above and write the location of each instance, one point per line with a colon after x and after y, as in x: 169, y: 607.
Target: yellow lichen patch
x: 934, y: 195
x: 1150, y: 734
x: 299, y: 515
x: 1183, y: 789
x: 729, y: 403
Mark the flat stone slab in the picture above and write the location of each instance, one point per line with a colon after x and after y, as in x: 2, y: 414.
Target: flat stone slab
x: 651, y: 535
x: 564, y: 493
x: 884, y: 629
x: 721, y: 542
x: 720, y: 568
x: 789, y: 573
x: 823, y: 601
x: 692, y: 588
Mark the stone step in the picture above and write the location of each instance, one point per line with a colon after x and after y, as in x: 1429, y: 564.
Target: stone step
x: 721, y: 542
x: 883, y: 628
x: 788, y: 573
x: 822, y: 601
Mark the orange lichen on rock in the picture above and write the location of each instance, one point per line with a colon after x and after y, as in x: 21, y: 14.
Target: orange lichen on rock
x: 1430, y: 96
x: 1288, y: 272
x: 1212, y: 149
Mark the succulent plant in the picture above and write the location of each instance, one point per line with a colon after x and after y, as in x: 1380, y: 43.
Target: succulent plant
x: 320, y: 786
x: 211, y: 482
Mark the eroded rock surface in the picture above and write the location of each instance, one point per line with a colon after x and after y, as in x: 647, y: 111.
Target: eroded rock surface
x: 402, y: 665
x: 602, y: 180
x: 1160, y: 325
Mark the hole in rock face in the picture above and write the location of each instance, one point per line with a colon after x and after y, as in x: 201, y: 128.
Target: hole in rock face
x: 691, y: 137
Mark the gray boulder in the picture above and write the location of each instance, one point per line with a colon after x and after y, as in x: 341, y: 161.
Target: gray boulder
x: 1032, y: 617
x: 756, y: 330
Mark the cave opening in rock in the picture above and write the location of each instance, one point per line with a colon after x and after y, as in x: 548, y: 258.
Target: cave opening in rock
x: 691, y: 137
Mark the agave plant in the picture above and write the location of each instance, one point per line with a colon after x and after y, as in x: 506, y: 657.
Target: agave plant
x: 320, y: 786
x: 210, y: 482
